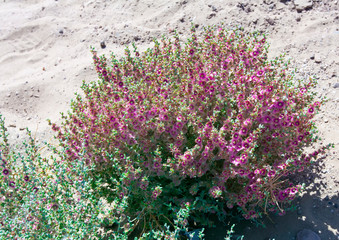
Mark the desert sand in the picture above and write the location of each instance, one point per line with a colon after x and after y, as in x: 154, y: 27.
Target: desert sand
x: 45, y: 56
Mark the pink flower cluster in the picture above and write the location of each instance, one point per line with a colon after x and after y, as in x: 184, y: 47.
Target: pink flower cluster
x: 156, y: 192
x: 216, y: 108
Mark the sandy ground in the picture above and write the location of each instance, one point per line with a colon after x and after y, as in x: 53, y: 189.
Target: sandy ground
x: 45, y: 56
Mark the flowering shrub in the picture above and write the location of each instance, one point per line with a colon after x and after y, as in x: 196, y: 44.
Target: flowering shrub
x: 213, y: 120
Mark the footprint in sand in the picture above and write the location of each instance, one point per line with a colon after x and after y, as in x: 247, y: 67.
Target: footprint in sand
x: 26, y: 44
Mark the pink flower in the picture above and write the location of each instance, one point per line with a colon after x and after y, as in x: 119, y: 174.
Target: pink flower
x: 241, y: 172
x: 202, y: 75
x: 236, y: 161
x: 285, y: 124
x: 232, y: 158
x: 157, y: 165
x: 249, y: 139
x: 245, y: 145
x: 225, y: 175
x: 254, y: 187
x: 280, y: 104
x: 271, y: 173
x: 243, y: 159
x: 311, y: 110
x: 243, y: 131
x: 5, y: 172
x: 248, y: 189
x: 261, y: 195
x: 239, y: 146
x: 205, y: 155
x: 215, y: 139
x: 222, y: 145
x: 270, y: 89
x: 141, y: 118
x: 121, y: 195
x: 156, y: 192
x: 282, y: 195
x: 165, y: 117
x: 251, y: 175
x: 297, y: 123
x: 293, y: 190
x: 215, y: 192
x: 276, y: 120
x: 260, y: 73
x: 202, y: 83
x: 187, y: 156
x: 11, y: 184
x: 267, y: 119
x: 262, y: 172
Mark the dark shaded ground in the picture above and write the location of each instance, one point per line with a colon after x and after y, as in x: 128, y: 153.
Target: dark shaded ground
x: 305, y: 217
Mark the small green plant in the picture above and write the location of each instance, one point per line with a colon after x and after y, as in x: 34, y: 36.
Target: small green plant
x: 39, y: 197
x: 48, y: 198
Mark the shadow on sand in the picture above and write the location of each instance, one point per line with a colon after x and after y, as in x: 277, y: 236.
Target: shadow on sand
x: 319, y: 215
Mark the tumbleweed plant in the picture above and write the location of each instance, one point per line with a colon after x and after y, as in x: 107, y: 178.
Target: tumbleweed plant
x: 163, y: 139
